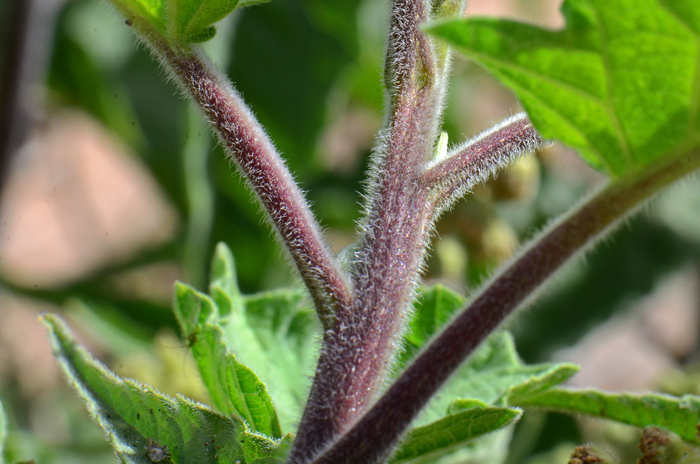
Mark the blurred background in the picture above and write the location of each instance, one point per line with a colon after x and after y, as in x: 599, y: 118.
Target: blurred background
x: 112, y: 189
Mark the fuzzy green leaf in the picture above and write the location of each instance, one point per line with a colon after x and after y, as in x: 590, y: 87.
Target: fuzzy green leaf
x: 273, y: 334
x: 276, y: 336
x: 453, y: 431
x: 233, y: 387
x: 620, y: 83
x: 486, y: 380
x: 150, y: 12
x: 493, y: 373
x: 135, y: 416
x: 180, y: 21
x: 679, y: 415
x: 223, y: 287
x: 433, y: 308
x: 191, y: 20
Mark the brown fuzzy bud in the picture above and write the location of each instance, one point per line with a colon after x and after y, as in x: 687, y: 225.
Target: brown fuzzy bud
x: 589, y: 454
x: 661, y: 447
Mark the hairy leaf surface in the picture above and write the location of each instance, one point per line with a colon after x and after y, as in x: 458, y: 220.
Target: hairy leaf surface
x: 620, y: 83
x: 491, y: 374
x: 181, y: 21
x: 234, y: 388
x: 270, y: 340
x: 134, y: 416
x: 476, y: 400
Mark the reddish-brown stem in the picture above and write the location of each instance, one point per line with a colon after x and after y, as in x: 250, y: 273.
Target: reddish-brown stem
x: 375, y: 435
x: 250, y: 147
x: 356, y: 353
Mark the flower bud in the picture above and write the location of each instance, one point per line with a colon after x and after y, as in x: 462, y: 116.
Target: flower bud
x: 590, y: 454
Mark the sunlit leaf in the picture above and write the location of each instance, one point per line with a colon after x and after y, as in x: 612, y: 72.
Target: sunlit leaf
x: 619, y: 83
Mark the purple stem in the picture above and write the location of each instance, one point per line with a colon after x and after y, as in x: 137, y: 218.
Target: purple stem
x: 478, y: 159
x: 250, y: 147
x: 356, y: 353
x: 374, y: 436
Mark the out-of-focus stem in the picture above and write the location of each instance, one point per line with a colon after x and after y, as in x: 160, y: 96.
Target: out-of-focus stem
x: 248, y: 144
x: 375, y: 435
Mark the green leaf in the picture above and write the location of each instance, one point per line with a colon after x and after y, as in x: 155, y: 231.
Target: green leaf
x: 151, y: 11
x: 233, y: 387
x: 492, y: 375
x: 483, y: 385
x: 277, y: 337
x: 223, y: 287
x: 452, y: 431
x: 181, y: 21
x: 433, y: 308
x: 3, y: 433
x: 191, y: 20
x: 133, y: 415
x: 274, y: 334
x: 679, y: 415
x: 619, y: 84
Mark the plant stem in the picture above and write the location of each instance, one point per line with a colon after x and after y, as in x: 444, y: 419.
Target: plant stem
x: 250, y: 147
x: 476, y: 160
x: 375, y: 435
x: 356, y: 353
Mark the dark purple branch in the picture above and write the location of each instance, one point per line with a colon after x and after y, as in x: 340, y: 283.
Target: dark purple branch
x: 480, y: 158
x: 374, y: 436
x: 250, y: 147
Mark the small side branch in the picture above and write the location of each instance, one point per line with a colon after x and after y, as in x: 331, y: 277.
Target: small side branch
x: 473, y: 162
x: 248, y: 144
x: 375, y: 435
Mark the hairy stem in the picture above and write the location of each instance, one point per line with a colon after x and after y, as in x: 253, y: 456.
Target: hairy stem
x: 356, y: 353
x: 478, y: 159
x: 250, y: 147
x: 375, y: 435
